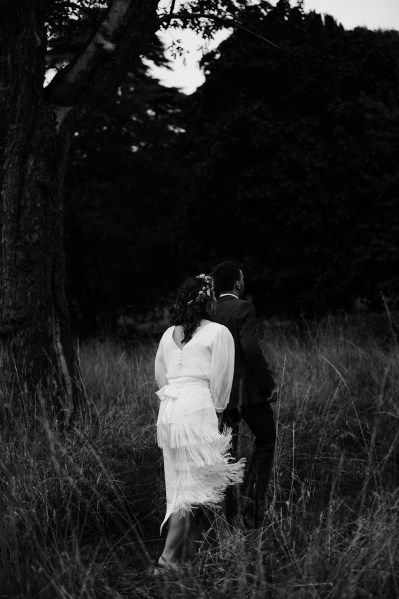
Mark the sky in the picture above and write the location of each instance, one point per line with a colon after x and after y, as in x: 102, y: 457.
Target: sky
x: 186, y: 75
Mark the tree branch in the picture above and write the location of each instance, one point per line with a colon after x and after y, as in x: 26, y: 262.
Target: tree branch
x: 228, y: 21
x: 68, y: 83
x: 93, y: 76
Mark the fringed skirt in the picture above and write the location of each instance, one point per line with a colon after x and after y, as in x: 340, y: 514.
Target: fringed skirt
x: 197, y: 463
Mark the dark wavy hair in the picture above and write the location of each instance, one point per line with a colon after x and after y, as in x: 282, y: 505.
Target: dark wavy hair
x: 188, y: 311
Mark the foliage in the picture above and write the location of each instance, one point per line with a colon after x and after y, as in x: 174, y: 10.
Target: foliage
x: 118, y: 179
x: 291, y: 160
x: 120, y: 201
x: 283, y: 160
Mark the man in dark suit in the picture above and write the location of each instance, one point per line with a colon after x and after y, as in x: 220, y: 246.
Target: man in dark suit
x: 252, y: 391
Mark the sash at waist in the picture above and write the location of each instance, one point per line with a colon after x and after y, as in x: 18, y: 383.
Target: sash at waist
x: 171, y: 390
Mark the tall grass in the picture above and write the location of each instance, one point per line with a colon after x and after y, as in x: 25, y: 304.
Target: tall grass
x: 80, y: 510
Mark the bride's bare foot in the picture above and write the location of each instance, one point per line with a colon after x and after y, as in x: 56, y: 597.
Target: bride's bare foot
x: 165, y: 566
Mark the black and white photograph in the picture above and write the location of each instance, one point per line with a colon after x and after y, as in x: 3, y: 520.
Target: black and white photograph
x: 199, y: 299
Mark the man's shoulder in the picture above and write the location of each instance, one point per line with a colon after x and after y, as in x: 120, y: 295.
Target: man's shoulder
x: 241, y: 305
x: 236, y: 309
x: 245, y: 304
x: 230, y: 301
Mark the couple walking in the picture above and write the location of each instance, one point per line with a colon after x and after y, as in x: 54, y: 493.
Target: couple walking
x: 212, y: 373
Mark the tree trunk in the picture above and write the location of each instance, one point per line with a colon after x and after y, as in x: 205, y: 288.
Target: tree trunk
x: 38, y: 361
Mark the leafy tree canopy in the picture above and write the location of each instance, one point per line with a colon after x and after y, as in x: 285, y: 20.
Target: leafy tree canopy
x: 284, y: 160
x: 291, y: 160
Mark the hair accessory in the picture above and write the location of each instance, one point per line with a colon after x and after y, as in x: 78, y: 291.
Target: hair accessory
x: 206, y: 290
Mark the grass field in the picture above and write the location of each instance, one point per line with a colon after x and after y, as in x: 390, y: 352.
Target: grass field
x: 80, y: 511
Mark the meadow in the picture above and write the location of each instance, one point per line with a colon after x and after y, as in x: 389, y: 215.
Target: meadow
x: 81, y: 509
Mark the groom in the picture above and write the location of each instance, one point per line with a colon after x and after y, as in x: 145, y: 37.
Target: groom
x: 252, y: 391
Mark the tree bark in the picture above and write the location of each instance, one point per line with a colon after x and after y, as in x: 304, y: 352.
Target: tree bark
x: 38, y: 360
x: 37, y: 357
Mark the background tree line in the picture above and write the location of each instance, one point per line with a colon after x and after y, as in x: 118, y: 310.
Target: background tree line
x: 284, y: 160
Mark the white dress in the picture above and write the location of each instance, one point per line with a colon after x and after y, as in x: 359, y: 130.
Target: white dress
x: 195, y: 383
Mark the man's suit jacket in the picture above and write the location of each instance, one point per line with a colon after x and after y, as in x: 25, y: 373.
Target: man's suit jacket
x: 253, y: 381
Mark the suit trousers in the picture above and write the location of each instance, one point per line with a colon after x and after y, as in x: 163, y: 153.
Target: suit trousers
x: 260, y: 420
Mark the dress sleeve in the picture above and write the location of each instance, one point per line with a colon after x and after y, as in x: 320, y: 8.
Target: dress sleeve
x: 160, y: 368
x: 222, y: 368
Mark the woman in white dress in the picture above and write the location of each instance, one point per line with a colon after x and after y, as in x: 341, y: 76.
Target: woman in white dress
x: 194, y: 368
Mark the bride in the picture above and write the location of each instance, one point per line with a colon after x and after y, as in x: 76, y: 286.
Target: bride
x: 194, y: 368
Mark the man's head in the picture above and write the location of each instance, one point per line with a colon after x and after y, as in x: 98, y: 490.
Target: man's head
x: 229, y: 278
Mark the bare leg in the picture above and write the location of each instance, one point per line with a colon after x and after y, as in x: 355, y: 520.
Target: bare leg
x: 179, y: 527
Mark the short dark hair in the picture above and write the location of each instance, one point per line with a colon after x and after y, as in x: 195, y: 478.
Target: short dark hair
x: 225, y: 275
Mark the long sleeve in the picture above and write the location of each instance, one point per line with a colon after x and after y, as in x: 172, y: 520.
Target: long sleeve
x: 222, y: 368
x: 252, y: 351
x: 160, y: 368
